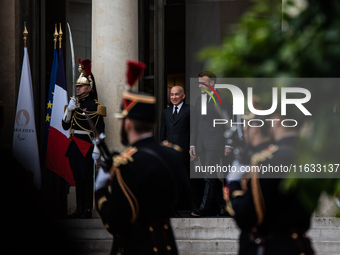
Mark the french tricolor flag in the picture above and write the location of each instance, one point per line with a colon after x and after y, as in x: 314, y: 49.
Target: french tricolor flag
x: 57, y: 142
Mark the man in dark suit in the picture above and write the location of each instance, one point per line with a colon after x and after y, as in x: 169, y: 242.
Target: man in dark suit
x: 208, y: 142
x: 175, y: 128
x: 175, y: 121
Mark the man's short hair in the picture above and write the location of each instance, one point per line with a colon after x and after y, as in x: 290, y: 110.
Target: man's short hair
x: 142, y: 127
x: 180, y: 88
x: 210, y: 74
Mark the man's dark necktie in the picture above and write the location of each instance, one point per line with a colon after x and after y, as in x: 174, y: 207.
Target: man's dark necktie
x: 175, y: 113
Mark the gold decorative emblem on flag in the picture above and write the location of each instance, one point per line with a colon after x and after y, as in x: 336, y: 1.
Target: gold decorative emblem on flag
x: 22, y: 118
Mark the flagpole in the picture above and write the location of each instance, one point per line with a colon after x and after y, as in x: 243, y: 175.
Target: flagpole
x: 25, y: 33
x: 50, y: 92
x: 55, y: 36
x: 60, y: 35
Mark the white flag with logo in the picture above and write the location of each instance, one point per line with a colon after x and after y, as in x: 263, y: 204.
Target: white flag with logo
x: 25, y: 144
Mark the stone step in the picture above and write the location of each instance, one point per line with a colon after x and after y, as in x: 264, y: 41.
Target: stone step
x: 229, y: 223
x: 195, y: 246
x: 199, y: 223
x: 81, y: 224
x: 209, y: 253
x: 231, y: 246
x: 198, y: 236
x: 93, y: 245
x: 97, y: 252
x: 327, y: 247
x: 207, y: 234
x: 183, y: 246
x: 324, y: 234
x: 199, y: 246
x: 89, y: 234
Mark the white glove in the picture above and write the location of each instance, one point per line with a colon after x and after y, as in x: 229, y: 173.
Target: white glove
x: 68, y: 112
x: 72, y: 104
x: 238, y: 174
x: 95, y: 156
x: 96, y: 152
x: 102, y: 179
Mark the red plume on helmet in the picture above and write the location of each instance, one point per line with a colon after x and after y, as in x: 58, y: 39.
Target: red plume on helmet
x: 87, y: 66
x: 134, y: 71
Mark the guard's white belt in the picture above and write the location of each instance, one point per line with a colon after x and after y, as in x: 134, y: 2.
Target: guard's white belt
x: 81, y: 132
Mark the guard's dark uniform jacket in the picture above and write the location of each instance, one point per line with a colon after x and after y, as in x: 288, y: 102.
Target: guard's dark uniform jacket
x: 149, y: 173
x: 88, y: 106
x: 272, y: 221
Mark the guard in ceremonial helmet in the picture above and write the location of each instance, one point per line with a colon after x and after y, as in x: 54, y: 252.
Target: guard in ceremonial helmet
x: 81, y: 153
x: 136, y: 192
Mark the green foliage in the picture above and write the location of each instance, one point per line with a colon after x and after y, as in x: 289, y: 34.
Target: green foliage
x: 272, y: 43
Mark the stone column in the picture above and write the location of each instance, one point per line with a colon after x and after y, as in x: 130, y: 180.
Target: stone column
x: 114, y: 41
x: 9, y: 68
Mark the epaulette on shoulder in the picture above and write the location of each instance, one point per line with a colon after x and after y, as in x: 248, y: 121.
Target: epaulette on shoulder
x: 101, y: 110
x: 173, y: 146
x: 124, y: 157
x: 264, y: 154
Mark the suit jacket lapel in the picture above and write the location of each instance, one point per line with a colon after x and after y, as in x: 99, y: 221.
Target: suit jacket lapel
x: 181, y: 112
x: 211, y: 102
x: 170, y: 115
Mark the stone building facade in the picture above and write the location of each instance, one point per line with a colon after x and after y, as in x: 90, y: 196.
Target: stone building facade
x: 164, y: 34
